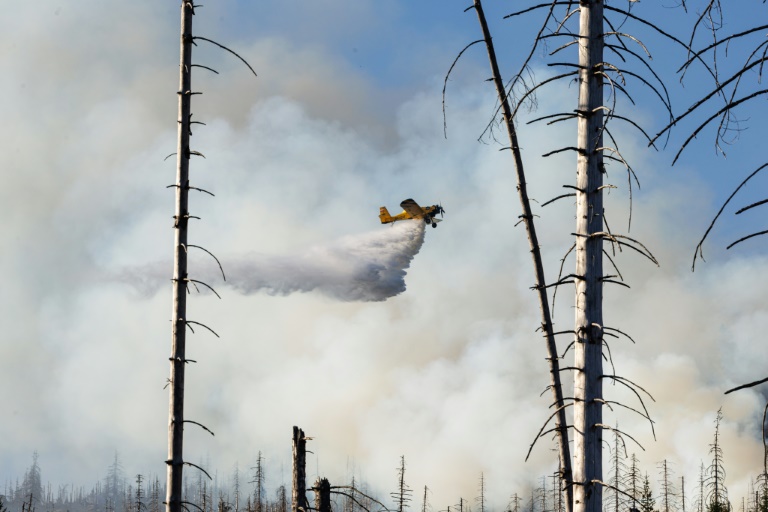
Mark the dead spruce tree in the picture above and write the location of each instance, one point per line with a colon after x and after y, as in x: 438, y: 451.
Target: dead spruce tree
x: 402, y: 496
x: 714, y: 481
x: 561, y: 423
x: 181, y: 281
x: 604, y: 58
x: 322, y: 487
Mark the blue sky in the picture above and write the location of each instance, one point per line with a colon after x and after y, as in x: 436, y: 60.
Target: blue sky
x: 344, y: 117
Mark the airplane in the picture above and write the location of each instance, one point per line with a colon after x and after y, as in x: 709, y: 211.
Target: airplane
x: 411, y: 210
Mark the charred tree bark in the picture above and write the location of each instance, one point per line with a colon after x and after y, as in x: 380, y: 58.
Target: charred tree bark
x: 175, y: 461
x: 322, y: 490
x: 540, y: 282
x: 299, y: 494
x: 587, y: 465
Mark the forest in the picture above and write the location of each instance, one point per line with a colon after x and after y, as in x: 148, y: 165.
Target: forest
x: 646, y: 487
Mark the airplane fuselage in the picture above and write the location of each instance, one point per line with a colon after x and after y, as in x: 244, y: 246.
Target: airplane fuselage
x: 411, y: 210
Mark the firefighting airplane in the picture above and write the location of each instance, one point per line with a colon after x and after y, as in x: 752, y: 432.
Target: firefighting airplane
x: 411, y: 210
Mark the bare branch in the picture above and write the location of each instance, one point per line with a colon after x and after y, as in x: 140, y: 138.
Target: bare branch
x: 201, y: 426
x: 626, y: 383
x: 699, y: 251
x: 559, y: 275
x: 445, y: 82
x: 202, y: 325
x: 227, y: 49
x: 198, y: 467
x: 730, y: 106
x: 747, y: 238
x: 539, y: 85
x: 569, y: 148
x: 703, y: 100
x: 619, y: 432
x: 564, y: 117
x: 698, y: 54
x: 620, y: 332
x: 614, y: 264
x: 745, y: 386
x: 193, y: 504
x: 753, y: 205
x: 204, y: 284
x: 544, y: 426
x: 212, y: 256
x: 535, y: 7
x: 558, y: 197
x: 600, y: 482
x: 204, y: 67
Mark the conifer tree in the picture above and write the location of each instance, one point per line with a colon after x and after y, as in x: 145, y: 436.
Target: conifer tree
x: 633, y: 485
x: 717, y: 494
x: 617, y: 474
x: 402, y: 495
x: 668, y: 491
x: 32, y: 485
x: 647, y: 501
x: 258, y: 482
x: 481, y: 497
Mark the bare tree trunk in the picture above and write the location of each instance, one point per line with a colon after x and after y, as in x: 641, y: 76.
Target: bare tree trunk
x: 299, y: 494
x: 587, y: 466
x: 322, y: 490
x: 175, y: 461
x: 540, y: 283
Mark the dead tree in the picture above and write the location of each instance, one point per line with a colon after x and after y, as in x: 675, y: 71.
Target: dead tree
x: 585, y: 27
x: 618, y: 470
x: 181, y: 217
x: 402, y: 496
x: 667, y: 491
x: 540, y: 286
x: 714, y: 481
x: 481, y: 498
x: 299, y: 494
x: 322, y: 490
x: 181, y: 281
x: 258, y: 481
x: 139, y: 505
x: 588, y: 281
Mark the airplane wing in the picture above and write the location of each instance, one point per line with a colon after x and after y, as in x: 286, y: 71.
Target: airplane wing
x: 412, y: 208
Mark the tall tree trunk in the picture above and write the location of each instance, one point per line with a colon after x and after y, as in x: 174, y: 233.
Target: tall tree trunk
x: 540, y: 283
x: 587, y: 465
x: 175, y: 462
x: 299, y: 493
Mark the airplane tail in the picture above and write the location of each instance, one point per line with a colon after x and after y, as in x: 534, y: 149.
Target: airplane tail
x: 384, y: 215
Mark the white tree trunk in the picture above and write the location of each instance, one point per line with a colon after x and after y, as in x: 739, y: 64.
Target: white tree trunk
x: 587, y: 456
x: 175, y: 461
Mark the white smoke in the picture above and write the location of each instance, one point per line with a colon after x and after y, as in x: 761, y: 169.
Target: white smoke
x: 367, y: 267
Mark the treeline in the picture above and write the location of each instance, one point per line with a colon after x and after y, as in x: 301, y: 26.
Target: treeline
x: 629, y: 488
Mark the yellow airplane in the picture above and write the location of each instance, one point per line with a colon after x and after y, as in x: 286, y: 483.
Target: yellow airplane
x: 411, y: 210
